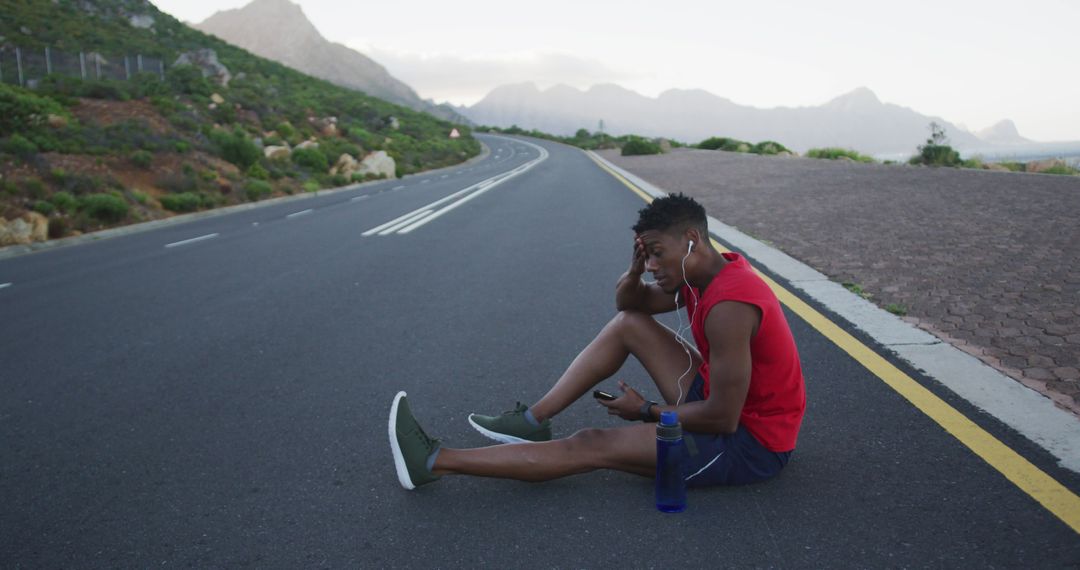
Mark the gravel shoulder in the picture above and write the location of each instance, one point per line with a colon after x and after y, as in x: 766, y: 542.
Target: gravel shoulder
x: 987, y: 261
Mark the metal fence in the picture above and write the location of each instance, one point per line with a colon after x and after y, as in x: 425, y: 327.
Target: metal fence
x: 26, y: 67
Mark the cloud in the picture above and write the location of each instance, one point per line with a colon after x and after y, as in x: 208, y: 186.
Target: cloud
x: 467, y: 79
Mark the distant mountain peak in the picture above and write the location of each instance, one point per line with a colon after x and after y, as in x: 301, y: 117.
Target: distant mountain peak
x: 1003, y: 131
x: 279, y: 30
x: 857, y: 99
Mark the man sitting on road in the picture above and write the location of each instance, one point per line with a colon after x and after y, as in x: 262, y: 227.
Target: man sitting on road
x: 740, y: 414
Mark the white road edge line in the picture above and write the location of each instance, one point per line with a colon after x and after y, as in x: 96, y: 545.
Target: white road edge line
x: 1032, y: 414
x: 3, y: 285
x: 398, y: 187
x: 358, y: 198
x: 192, y: 240
x: 408, y: 222
x: 300, y: 213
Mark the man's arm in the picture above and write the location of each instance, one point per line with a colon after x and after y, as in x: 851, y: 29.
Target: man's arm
x: 730, y: 327
x: 632, y: 294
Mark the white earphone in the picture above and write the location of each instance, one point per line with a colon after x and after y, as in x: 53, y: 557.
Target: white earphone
x: 691, y: 247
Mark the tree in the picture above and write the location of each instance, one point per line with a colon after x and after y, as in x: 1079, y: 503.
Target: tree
x: 936, y: 151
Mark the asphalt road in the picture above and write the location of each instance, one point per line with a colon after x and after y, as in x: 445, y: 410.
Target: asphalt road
x: 223, y: 402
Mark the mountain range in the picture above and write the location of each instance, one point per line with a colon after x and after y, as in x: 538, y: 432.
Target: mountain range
x: 279, y: 30
x: 857, y: 119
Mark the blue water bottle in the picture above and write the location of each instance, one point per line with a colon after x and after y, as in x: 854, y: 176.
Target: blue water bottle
x: 670, y: 454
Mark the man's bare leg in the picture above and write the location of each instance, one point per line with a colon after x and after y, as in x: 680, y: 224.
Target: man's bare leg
x: 631, y: 449
x: 630, y: 332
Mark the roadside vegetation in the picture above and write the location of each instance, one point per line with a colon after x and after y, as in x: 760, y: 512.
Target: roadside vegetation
x: 835, y: 153
x: 88, y: 154
x: 735, y: 145
x: 935, y: 152
x: 595, y: 141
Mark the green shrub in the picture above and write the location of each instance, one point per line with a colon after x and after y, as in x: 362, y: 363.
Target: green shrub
x: 104, y: 89
x: 937, y: 155
x: 22, y: 110
x: 286, y: 131
x: 936, y: 152
x: 236, y: 147
x: 189, y: 80
x: 768, y: 148
x: 33, y: 188
x: 105, y: 207
x: 19, y: 145
x: 182, y: 146
x: 311, y: 186
x: 638, y: 146
x: 1063, y: 169
x: 64, y: 202
x: 43, y: 207
x: 140, y: 196
x: 182, y: 202
x: 834, y: 153
x: 258, y: 172
x: 257, y: 190
x: 311, y: 158
x: 142, y: 158
x: 723, y: 143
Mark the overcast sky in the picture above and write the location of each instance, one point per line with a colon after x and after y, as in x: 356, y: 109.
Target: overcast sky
x: 970, y: 62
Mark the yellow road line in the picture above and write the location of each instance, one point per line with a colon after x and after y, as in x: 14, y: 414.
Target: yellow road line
x: 1046, y: 490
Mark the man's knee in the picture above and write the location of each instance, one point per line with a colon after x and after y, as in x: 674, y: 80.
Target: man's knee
x: 588, y: 442
x: 625, y: 321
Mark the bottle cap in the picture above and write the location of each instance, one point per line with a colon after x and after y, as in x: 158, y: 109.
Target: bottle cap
x: 669, y: 418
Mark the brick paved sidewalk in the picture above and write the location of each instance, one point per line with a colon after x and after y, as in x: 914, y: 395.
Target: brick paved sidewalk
x: 988, y: 261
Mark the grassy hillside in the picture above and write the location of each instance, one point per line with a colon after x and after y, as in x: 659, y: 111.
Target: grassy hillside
x: 95, y: 153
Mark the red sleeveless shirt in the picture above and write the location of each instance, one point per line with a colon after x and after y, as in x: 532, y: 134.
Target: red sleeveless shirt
x: 776, y: 398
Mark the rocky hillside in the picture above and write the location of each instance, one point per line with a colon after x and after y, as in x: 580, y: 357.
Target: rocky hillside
x: 219, y: 126
x: 279, y: 30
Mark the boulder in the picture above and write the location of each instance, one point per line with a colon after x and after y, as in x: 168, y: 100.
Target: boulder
x: 378, y: 163
x: 141, y: 21
x: 29, y: 227
x: 1043, y: 165
x: 346, y: 165
x: 206, y: 60
x: 307, y: 144
x: 217, y: 98
x: 395, y: 123
x: 275, y: 152
x: 56, y: 121
x: 665, y: 145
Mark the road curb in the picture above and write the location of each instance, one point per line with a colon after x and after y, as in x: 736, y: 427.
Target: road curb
x: 1027, y: 411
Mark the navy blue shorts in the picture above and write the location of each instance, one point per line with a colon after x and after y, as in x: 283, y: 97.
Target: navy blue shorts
x: 727, y: 459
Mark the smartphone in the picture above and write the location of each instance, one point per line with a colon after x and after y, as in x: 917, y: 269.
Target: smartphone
x: 601, y: 395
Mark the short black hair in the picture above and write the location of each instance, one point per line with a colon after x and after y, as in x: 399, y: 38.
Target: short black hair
x: 676, y: 211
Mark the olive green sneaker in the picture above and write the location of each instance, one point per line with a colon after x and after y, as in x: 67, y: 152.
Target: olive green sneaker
x: 411, y: 446
x: 511, y: 427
